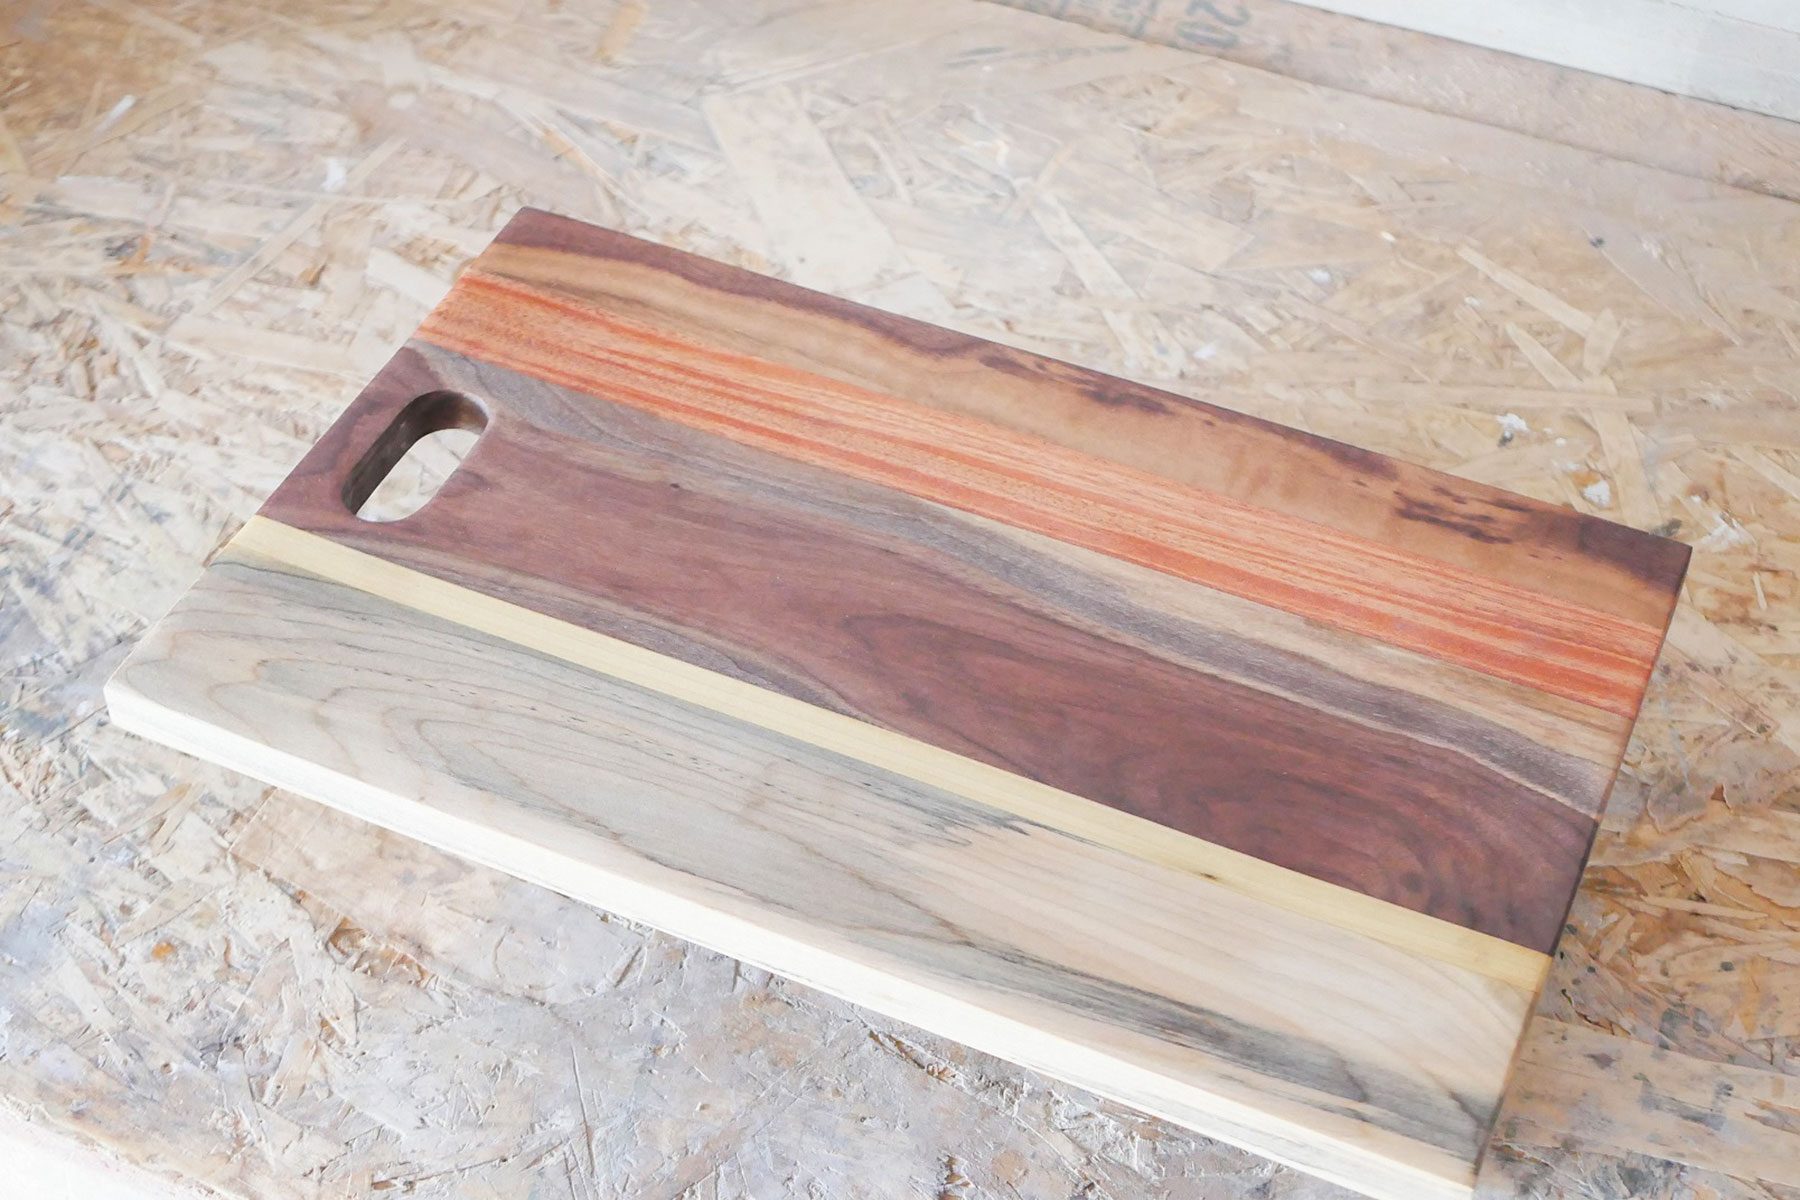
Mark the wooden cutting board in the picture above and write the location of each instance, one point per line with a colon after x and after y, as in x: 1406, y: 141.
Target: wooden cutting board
x: 1240, y: 775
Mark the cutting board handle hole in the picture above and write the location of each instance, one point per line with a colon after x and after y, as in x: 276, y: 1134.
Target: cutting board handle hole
x: 414, y: 456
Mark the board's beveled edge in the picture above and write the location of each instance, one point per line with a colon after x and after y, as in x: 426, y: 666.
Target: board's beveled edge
x: 1498, y: 959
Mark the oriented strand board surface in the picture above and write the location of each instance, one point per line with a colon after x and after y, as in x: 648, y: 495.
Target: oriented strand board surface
x: 1237, y: 774
x: 1607, y: 116
x: 221, y: 220
x: 1745, y: 54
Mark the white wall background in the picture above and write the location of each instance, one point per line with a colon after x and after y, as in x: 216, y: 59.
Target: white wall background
x: 1745, y: 53
x: 40, y: 1164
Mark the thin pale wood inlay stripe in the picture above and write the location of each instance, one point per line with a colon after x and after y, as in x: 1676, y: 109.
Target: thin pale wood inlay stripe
x: 1344, y: 581
x: 1416, y: 933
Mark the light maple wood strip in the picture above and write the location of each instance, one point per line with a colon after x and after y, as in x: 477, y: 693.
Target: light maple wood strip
x: 1345, y: 581
x: 1416, y: 933
x: 1342, y: 1054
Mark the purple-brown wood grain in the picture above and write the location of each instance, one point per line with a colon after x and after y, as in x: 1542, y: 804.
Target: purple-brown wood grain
x: 869, y: 602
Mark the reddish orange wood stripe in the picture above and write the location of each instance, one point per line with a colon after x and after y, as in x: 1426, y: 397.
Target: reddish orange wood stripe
x: 1341, y: 580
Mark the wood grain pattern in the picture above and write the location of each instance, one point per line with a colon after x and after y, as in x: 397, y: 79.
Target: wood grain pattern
x: 294, y: 550
x: 1356, y: 584
x: 846, y: 597
x: 1480, y: 529
x: 871, y: 653
x: 1157, y: 985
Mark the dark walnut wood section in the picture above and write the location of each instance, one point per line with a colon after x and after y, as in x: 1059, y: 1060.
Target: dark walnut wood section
x: 1225, y: 769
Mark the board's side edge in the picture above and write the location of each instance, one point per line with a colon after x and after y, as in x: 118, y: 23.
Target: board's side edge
x: 1674, y: 590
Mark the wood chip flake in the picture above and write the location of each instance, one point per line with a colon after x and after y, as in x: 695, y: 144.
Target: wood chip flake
x: 818, y: 225
x: 1545, y: 301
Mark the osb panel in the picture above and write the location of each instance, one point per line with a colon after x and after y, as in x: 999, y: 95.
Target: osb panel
x: 219, y: 217
x: 1620, y: 120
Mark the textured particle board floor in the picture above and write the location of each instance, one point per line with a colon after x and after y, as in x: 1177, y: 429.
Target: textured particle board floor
x: 1592, y: 112
x: 219, y: 220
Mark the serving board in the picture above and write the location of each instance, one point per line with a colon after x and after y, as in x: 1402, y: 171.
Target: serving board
x: 1232, y: 772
